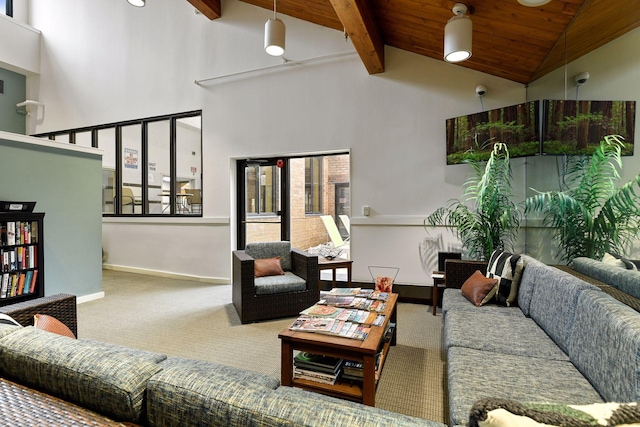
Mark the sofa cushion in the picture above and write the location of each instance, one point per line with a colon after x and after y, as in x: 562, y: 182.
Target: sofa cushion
x: 453, y: 300
x: 196, y: 393
x: 110, y: 382
x: 507, y: 268
x: 509, y: 413
x: 288, y: 282
x: 605, y: 346
x: 283, y: 407
x: 267, y: 267
x: 479, y: 289
x: 625, y: 280
x: 7, y: 329
x: 271, y: 250
x: 528, y: 282
x: 475, y: 374
x: 554, y: 301
x: 499, y: 332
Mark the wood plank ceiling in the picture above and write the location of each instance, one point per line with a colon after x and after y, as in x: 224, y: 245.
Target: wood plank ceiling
x: 509, y: 40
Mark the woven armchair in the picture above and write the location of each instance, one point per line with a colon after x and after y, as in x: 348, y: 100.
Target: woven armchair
x: 253, y: 304
x: 60, y: 306
x: 458, y: 271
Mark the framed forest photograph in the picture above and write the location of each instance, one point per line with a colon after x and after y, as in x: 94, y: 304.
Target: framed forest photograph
x: 577, y: 127
x: 473, y: 135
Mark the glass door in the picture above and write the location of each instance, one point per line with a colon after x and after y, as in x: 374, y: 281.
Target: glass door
x: 262, y: 206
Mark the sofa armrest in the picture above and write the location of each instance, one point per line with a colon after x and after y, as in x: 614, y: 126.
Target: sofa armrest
x: 61, y: 306
x: 458, y: 271
x: 305, y: 265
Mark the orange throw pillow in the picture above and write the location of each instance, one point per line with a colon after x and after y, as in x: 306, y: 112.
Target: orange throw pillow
x: 267, y: 267
x: 51, y: 324
x: 479, y: 289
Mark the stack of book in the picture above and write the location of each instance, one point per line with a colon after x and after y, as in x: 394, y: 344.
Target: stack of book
x: 352, y: 370
x: 318, y: 368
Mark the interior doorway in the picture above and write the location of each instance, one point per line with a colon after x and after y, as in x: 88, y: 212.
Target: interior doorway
x: 283, y: 198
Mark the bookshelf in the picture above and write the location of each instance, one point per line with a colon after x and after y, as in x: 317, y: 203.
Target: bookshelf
x: 21, y: 257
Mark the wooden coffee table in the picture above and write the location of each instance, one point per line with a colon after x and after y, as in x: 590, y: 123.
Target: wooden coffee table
x: 345, y: 348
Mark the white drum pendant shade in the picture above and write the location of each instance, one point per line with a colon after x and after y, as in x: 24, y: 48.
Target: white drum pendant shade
x: 533, y: 3
x: 274, y: 35
x: 457, y: 39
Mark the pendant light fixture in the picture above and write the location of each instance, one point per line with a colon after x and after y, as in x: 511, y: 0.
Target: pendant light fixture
x: 458, y: 35
x: 274, y: 35
x: 533, y: 3
x: 137, y: 3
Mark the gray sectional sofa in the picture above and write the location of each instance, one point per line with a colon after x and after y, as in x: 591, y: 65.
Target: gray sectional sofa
x: 146, y: 388
x: 566, y: 342
x: 625, y: 280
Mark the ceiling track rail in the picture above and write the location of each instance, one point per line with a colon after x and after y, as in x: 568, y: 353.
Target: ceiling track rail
x: 285, y: 63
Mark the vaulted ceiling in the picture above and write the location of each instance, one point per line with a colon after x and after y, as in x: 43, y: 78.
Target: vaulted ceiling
x: 509, y: 40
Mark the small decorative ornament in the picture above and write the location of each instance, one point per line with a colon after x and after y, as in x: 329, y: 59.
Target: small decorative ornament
x: 280, y: 163
x: 329, y: 253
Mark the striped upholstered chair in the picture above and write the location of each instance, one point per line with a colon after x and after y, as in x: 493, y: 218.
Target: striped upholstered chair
x: 273, y: 296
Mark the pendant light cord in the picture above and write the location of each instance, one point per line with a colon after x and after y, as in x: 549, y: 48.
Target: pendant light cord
x: 275, y: 16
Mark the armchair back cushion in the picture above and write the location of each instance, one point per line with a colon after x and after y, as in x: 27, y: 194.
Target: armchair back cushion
x: 271, y: 250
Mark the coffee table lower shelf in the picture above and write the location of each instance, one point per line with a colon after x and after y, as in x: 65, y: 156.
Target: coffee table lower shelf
x: 343, y: 348
x: 344, y: 389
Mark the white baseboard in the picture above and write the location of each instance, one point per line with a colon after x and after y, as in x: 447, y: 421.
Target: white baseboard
x: 90, y: 297
x: 212, y: 280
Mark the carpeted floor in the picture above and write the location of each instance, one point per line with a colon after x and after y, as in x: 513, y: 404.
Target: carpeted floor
x: 191, y: 319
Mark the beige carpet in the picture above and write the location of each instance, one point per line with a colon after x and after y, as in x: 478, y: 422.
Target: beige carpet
x: 190, y: 319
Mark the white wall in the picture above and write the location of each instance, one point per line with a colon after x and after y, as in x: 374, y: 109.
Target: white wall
x: 614, y: 75
x: 105, y: 61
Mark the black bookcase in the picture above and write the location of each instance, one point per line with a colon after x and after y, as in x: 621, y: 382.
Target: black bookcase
x: 21, y: 256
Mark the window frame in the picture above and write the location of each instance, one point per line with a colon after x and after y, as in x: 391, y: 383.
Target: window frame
x: 314, y: 191
x: 143, y: 161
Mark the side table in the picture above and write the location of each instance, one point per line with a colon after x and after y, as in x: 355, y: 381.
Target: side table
x: 333, y: 265
x: 438, y: 282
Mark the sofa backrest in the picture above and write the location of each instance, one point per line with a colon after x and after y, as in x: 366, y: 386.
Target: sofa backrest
x: 620, y: 278
x: 554, y: 301
x: 271, y: 250
x: 527, y: 282
x: 605, y: 346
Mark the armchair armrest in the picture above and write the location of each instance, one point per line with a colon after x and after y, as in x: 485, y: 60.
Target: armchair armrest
x: 305, y: 265
x: 61, y: 306
x: 458, y: 271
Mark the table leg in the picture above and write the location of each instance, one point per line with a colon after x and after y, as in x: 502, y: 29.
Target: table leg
x: 286, y: 365
x: 349, y: 274
x: 434, y: 297
x: 369, y: 380
x: 333, y: 277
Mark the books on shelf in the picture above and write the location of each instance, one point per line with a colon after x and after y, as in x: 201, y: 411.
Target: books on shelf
x: 320, y: 362
x: 19, y: 263
x: 353, y: 370
x: 316, y: 367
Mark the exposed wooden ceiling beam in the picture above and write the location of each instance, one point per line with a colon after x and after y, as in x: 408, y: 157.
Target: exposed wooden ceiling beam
x: 209, y: 8
x: 360, y: 25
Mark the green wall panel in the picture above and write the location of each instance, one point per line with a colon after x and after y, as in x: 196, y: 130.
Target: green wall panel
x: 67, y: 187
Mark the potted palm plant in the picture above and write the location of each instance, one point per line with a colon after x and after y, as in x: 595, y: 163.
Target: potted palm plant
x: 591, y: 215
x: 486, y: 218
